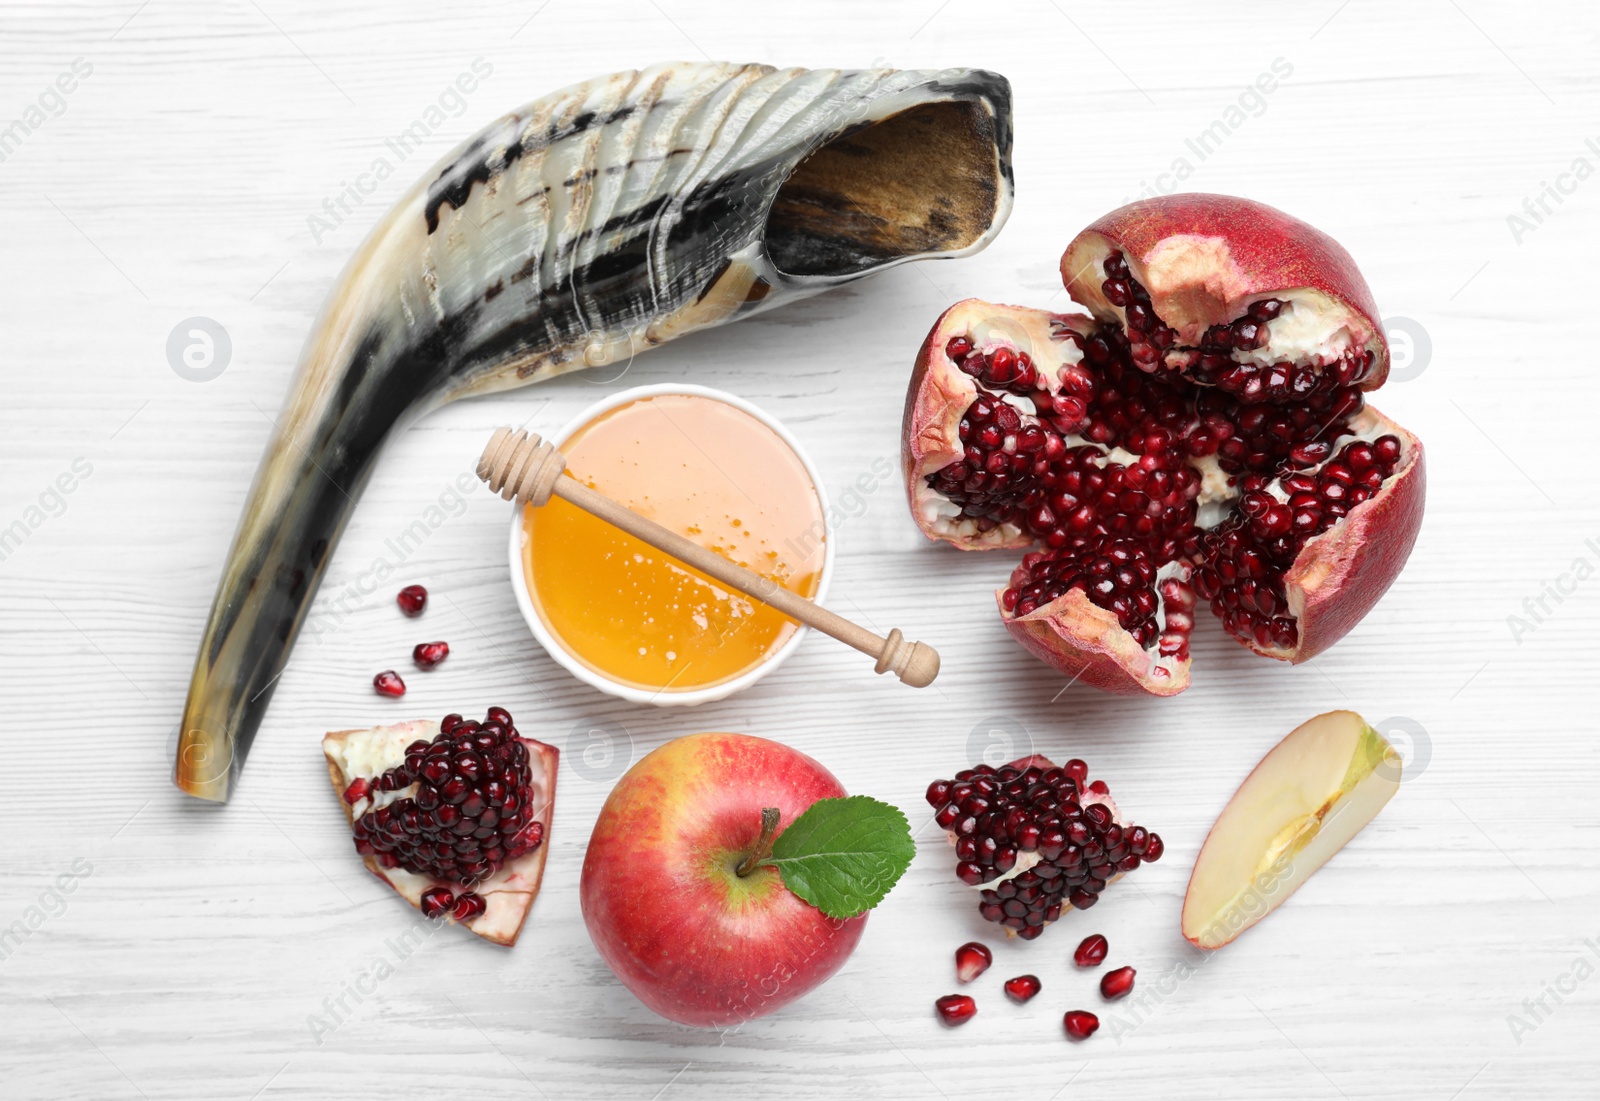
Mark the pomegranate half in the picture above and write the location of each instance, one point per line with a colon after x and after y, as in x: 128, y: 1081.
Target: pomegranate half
x: 1201, y: 435
x: 454, y: 815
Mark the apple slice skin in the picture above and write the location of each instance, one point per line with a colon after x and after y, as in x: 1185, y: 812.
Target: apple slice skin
x: 1335, y: 768
x: 692, y: 941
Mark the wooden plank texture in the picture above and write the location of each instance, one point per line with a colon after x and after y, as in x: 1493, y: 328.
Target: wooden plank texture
x: 178, y: 179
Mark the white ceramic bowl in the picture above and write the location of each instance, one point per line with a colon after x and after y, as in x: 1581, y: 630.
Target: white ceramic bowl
x: 662, y: 697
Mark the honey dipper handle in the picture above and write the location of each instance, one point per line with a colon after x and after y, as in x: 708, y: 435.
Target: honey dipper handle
x: 520, y: 466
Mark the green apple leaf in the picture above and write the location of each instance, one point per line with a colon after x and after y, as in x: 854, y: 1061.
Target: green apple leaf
x: 843, y: 855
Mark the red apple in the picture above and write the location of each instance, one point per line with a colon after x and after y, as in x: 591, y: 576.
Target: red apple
x: 663, y: 898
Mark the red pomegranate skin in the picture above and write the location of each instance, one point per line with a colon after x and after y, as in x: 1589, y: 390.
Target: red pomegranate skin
x: 928, y: 430
x: 1340, y: 575
x: 1252, y: 249
x: 692, y: 940
x: 1096, y: 650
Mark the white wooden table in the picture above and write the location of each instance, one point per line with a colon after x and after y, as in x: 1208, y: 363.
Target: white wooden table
x: 178, y: 179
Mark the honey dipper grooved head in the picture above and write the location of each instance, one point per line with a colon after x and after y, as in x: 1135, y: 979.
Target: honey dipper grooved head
x: 520, y: 466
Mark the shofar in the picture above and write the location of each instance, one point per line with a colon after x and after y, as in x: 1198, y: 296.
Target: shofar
x: 589, y: 226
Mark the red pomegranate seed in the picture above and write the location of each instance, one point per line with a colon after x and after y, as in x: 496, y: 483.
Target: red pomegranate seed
x: 468, y: 906
x: 1115, y: 984
x: 388, y: 683
x: 972, y: 960
x: 428, y: 654
x: 357, y: 790
x: 412, y: 599
x: 436, y: 901
x: 955, y: 1009
x: 1022, y: 988
x: 1080, y: 1023
x: 1092, y: 952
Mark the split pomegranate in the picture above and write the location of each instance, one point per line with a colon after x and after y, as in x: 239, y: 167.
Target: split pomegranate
x: 1092, y: 952
x: 428, y: 654
x: 412, y: 599
x: 453, y: 815
x: 1080, y: 1023
x: 972, y: 960
x: 1202, y: 437
x: 1036, y: 839
x: 1022, y: 988
x: 955, y: 1009
x: 1116, y: 984
x: 388, y: 683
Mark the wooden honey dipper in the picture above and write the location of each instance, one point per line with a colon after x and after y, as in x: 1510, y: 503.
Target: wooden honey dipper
x: 520, y: 466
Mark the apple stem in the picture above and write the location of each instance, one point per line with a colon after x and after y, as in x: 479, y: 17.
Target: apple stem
x: 763, y: 849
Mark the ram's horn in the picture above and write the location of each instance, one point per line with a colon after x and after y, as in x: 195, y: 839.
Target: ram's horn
x: 587, y: 227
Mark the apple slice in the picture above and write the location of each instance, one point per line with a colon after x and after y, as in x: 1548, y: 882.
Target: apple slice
x: 1311, y: 794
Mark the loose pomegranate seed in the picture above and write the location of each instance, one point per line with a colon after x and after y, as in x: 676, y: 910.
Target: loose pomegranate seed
x: 955, y: 1009
x: 388, y: 683
x: 412, y: 599
x: 474, y: 807
x: 1092, y: 952
x: 428, y: 654
x: 468, y: 906
x: 436, y: 901
x: 972, y: 960
x: 1080, y: 1023
x: 1022, y: 988
x: 356, y: 791
x: 1065, y: 824
x: 1116, y: 984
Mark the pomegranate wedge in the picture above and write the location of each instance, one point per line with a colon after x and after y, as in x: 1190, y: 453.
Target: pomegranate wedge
x: 1203, y: 437
x: 454, y: 815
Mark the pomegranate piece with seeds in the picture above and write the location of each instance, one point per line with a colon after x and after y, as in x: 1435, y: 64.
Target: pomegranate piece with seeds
x: 388, y: 683
x: 1036, y: 839
x: 1022, y: 988
x: 1116, y: 984
x: 428, y: 654
x: 412, y: 599
x: 955, y: 1009
x: 1092, y: 952
x: 972, y: 960
x: 453, y: 815
x: 1080, y: 1023
x: 1202, y: 438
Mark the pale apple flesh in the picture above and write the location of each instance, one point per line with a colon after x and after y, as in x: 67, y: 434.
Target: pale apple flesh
x: 1310, y: 795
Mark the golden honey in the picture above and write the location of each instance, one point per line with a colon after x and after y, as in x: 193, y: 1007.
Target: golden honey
x: 708, y: 471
